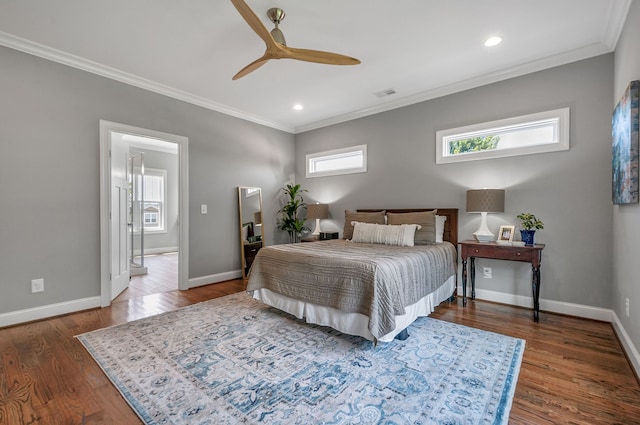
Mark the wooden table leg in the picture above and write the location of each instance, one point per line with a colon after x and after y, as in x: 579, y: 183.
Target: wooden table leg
x: 473, y: 278
x: 535, y: 278
x: 464, y: 281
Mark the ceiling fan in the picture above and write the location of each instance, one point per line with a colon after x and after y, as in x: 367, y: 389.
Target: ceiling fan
x: 276, y: 45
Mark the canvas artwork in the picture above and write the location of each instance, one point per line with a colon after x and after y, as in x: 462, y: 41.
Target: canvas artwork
x: 624, y: 131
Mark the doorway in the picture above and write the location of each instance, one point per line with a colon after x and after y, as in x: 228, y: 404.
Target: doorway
x: 164, y: 212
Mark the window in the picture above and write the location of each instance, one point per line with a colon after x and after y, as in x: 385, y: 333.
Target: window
x: 339, y: 161
x: 155, y: 194
x: 527, y: 134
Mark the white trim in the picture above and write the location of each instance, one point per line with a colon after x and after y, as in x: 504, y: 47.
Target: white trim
x: 617, y: 18
x: 49, y: 53
x: 161, y: 250
x: 627, y: 344
x: 106, y: 127
x: 214, y: 278
x: 48, y: 311
x: 577, y: 310
x: 586, y: 52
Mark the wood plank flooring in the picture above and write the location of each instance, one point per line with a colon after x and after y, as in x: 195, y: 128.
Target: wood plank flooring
x: 573, y: 370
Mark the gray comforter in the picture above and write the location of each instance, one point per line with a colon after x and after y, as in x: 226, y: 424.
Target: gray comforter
x: 378, y: 281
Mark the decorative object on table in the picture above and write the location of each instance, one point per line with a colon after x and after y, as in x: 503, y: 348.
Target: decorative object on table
x: 317, y: 212
x: 325, y: 236
x: 265, y: 366
x: 506, y: 233
x: 290, y: 221
x: 485, y: 201
x: 529, y: 224
x: 625, y: 135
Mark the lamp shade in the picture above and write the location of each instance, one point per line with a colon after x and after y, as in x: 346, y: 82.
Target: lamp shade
x: 318, y: 211
x: 257, y: 217
x: 485, y: 200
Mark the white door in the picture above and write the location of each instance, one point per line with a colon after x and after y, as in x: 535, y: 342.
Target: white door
x: 119, y: 239
x: 120, y: 268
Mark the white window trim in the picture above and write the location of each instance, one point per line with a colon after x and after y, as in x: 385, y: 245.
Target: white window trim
x: 312, y: 156
x: 562, y: 144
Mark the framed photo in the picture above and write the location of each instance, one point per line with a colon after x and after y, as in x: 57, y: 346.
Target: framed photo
x: 506, y: 233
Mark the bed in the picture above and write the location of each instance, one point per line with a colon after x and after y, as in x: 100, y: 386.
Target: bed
x: 372, y: 290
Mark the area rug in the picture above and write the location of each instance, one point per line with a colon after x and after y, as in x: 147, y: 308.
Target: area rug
x: 234, y: 360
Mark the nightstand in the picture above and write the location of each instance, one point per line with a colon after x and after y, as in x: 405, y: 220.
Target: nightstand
x: 310, y: 239
x: 530, y: 254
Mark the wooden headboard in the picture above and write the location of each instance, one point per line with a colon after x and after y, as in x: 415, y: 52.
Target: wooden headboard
x: 450, y: 226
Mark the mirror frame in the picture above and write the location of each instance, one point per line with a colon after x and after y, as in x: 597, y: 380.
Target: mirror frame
x: 241, y: 224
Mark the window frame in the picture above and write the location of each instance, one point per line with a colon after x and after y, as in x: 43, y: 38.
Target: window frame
x: 326, y: 155
x: 562, y: 142
x: 162, y: 209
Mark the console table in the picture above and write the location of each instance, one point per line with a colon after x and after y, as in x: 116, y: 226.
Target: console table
x: 530, y: 254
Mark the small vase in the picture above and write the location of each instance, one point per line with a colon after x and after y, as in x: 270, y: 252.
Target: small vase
x: 528, y: 236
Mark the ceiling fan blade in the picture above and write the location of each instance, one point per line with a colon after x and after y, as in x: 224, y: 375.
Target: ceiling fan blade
x: 319, y: 56
x: 254, y: 22
x: 251, y: 67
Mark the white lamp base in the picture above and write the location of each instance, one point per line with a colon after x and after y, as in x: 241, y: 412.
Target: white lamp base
x: 483, y: 234
x: 317, y: 230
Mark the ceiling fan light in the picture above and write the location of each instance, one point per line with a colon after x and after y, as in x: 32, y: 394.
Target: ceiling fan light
x: 493, y: 41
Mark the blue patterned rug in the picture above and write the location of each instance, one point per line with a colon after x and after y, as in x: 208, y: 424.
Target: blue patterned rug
x: 233, y: 360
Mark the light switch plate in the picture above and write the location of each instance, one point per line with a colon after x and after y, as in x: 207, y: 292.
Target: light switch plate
x: 203, y: 209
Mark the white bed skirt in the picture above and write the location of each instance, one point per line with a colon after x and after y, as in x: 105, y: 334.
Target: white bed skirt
x: 355, y: 323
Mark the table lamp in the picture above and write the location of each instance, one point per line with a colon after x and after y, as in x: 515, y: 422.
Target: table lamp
x: 317, y: 211
x: 485, y: 201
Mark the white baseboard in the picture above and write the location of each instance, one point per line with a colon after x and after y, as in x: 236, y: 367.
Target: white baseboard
x: 627, y: 344
x: 52, y: 310
x: 214, y: 278
x: 578, y: 310
x: 44, y: 312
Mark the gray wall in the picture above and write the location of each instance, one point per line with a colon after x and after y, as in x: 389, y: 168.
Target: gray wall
x: 626, y: 218
x: 49, y: 176
x: 570, y: 191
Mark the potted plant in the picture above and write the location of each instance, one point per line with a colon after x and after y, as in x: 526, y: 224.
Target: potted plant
x: 529, y: 223
x: 289, y: 220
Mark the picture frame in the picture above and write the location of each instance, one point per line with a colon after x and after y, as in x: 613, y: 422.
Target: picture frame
x: 506, y: 233
x: 625, y: 147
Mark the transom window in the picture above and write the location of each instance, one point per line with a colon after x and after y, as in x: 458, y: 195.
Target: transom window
x: 526, y: 134
x: 339, y: 161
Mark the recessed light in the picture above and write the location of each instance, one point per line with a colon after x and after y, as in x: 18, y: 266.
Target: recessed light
x: 493, y: 41
x: 298, y: 107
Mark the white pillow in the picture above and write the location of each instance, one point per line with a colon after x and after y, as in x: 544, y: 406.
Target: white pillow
x: 401, y: 235
x: 440, y: 219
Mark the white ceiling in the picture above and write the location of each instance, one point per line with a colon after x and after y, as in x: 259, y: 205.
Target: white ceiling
x: 422, y: 49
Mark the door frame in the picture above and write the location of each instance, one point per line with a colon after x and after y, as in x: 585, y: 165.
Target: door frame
x: 106, y: 128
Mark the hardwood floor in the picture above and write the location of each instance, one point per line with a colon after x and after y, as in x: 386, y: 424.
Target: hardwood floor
x: 162, y: 276
x: 573, y: 370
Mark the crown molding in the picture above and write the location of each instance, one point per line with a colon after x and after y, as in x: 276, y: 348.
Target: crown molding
x: 586, y: 52
x: 45, y: 52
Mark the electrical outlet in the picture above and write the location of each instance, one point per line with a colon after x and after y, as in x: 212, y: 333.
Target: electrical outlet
x: 37, y: 285
x: 626, y: 306
x: 487, y: 272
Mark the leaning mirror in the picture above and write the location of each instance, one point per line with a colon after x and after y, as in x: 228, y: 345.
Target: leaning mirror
x: 250, y: 214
